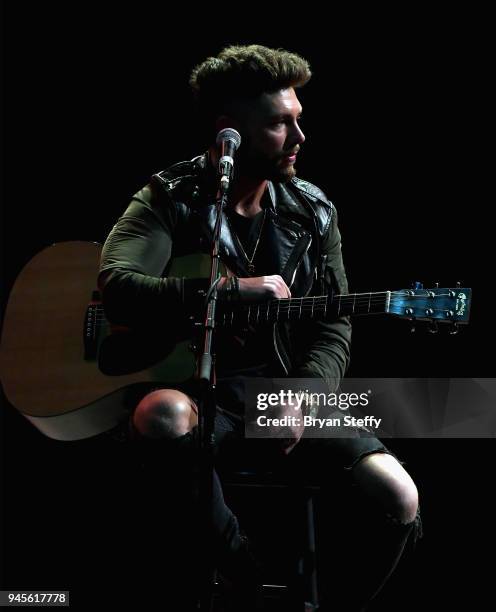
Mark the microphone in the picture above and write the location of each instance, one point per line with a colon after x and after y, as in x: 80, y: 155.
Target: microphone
x: 228, y: 140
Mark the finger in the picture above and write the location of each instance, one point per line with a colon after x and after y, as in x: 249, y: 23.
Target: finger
x: 275, y: 289
x: 284, y: 289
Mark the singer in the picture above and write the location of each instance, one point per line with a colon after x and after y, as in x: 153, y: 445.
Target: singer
x: 280, y: 239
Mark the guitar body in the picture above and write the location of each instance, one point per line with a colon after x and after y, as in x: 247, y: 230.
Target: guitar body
x: 49, y: 367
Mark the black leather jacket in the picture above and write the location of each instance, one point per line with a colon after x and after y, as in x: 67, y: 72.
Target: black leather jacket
x: 174, y: 215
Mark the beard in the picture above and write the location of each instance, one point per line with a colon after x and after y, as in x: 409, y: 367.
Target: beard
x: 261, y: 167
x: 284, y: 174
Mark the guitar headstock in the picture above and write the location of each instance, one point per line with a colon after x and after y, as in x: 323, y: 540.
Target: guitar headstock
x: 441, y: 305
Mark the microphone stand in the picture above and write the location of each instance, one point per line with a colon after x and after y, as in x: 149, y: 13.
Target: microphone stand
x: 206, y: 412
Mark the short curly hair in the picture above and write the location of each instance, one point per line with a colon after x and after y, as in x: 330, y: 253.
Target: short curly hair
x: 244, y: 73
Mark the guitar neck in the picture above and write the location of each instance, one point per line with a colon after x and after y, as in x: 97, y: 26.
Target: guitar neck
x: 316, y: 307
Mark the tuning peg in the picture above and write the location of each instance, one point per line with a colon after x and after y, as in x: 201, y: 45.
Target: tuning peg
x: 437, y: 285
x: 417, y: 285
x: 458, y: 284
x: 454, y: 329
x: 433, y: 328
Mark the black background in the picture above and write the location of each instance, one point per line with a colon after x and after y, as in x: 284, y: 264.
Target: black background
x: 97, y: 100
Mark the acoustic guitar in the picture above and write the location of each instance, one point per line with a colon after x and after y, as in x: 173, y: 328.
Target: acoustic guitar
x: 58, y: 352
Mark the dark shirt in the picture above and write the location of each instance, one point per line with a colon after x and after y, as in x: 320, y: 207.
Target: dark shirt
x: 244, y: 351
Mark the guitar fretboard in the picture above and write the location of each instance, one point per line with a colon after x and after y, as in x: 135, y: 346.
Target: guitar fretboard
x: 315, y: 307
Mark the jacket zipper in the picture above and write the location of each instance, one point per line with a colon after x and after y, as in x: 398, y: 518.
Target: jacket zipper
x: 291, y: 284
x: 300, y: 260
x: 277, y: 350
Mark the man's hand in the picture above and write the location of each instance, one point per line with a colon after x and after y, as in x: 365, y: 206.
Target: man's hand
x: 263, y: 288
x: 287, y: 436
x: 259, y: 288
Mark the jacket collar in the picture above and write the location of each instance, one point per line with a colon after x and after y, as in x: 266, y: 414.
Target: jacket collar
x: 287, y: 231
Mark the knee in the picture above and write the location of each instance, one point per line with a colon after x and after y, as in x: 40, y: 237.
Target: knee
x: 405, y: 502
x: 165, y: 413
x: 383, y: 478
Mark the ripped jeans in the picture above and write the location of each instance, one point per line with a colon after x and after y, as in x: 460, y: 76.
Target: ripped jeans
x: 358, y: 546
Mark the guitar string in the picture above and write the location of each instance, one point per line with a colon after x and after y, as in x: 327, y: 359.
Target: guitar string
x: 310, y: 302
x: 255, y: 317
x: 359, y: 298
x: 284, y: 307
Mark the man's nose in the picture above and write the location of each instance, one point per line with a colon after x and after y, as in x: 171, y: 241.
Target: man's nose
x: 297, y: 136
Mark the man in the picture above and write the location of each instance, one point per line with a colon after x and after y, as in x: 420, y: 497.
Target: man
x: 279, y: 239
